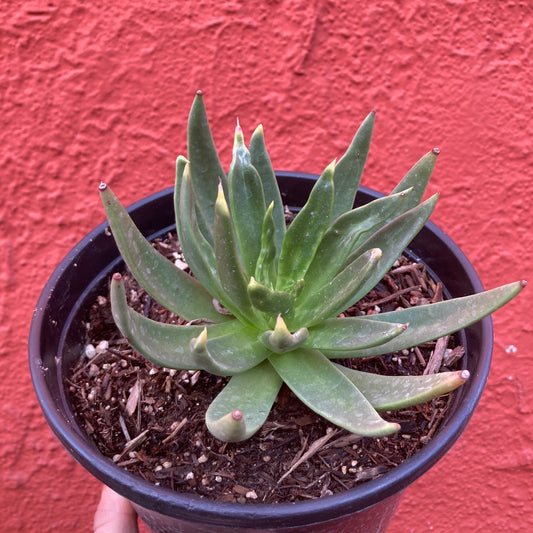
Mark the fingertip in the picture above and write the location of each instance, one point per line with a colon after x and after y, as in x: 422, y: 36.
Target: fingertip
x: 114, y: 514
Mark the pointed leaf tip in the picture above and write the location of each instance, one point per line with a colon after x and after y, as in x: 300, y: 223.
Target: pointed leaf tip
x: 239, y: 136
x: 229, y: 428
x: 199, y: 344
x: 281, y: 340
x: 376, y: 253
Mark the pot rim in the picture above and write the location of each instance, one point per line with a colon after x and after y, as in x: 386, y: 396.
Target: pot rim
x: 187, y: 506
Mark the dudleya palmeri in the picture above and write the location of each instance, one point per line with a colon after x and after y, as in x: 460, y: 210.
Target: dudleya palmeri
x: 265, y: 299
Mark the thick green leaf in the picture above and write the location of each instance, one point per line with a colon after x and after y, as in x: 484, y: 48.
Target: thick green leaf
x: 266, y: 269
x: 357, y: 333
x: 171, y: 287
x: 386, y: 393
x: 327, y: 391
x: 197, y: 251
x: 261, y: 161
x: 418, y: 178
x: 235, y: 351
x: 247, y: 203
x: 232, y: 347
x: 230, y: 269
x: 349, y: 232
x: 252, y: 393
x: 204, y: 358
x: 306, y: 231
x: 181, y: 167
x: 206, y: 170
x: 313, y: 306
x: 272, y: 302
x: 392, y: 239
x: 429, y: 322
x: 281, y: 340
x: 350, y: 168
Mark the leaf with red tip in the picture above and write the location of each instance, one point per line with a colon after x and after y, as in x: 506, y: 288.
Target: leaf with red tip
x: 170, y: 286
x: 418, y: 178
x: 224, y: 349
x: 349, y: 232
x: 429, y: 322
x: 386, y: 393
x: 328, y: 392
x: 252, y: 393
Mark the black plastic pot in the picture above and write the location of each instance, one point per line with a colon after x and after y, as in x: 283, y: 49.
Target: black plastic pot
x: 57, y: 335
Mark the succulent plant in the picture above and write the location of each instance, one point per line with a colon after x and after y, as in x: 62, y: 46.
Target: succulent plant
x: 264, y: 301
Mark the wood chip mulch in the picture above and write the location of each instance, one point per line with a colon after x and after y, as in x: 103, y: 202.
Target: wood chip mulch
x: 150, y: 420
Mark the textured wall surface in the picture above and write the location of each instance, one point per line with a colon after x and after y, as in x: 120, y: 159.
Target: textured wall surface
x: 101, y: 90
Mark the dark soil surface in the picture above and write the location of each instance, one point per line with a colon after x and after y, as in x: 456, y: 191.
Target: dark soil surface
x: 150, y: 420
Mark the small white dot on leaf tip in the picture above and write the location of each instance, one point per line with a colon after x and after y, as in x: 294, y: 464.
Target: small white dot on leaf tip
x: 465, y: 374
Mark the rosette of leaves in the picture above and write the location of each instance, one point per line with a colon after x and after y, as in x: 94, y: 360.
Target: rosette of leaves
x: 264, y: 299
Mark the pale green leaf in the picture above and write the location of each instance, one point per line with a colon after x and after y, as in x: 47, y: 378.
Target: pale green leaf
x: 327, y: 391
x: 206, y: 170
x: 281, y: 340
x: 318, y: 303
x: 386, y: 393
x: 247, y: 204
x: 418, y: 178
x: 305, y: 232
x: 350, y: 168
x: 230, y: 269
x: 170, y: 286
x: 349, y: 232
x: 261, y: 161
x: 272, y: 302
x: 351, y: 334
x: 429, y: 322
x: 197, y: 251
x: 266, y: 269
x: 392, y: 239
x: 252, y: 393
x: 233, y: 347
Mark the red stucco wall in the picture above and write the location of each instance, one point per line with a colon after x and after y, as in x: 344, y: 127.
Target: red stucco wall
x: 101, y: 90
